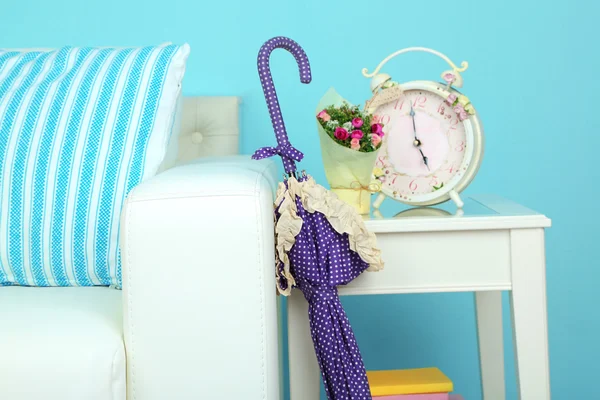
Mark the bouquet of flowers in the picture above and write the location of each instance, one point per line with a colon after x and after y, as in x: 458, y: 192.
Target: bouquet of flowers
x: 350, y: 140
x: 349, y: 127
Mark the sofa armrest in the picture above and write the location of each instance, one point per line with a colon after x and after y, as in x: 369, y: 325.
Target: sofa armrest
x: 200, y: 313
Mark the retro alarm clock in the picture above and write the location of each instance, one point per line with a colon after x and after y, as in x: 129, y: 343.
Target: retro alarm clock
x: 433, y: 138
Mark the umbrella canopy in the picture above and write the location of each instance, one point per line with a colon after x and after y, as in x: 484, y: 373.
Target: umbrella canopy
x: 321, y: 243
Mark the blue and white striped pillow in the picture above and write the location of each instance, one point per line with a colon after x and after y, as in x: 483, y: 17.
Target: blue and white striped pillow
x: 79, y: 128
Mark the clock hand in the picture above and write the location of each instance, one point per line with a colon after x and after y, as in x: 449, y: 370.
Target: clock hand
x: 417, y: 142
x: 425, y: 159
x: 412, y: 114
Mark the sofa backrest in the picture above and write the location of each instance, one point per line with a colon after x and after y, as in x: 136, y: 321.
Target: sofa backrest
x: 208, y: 126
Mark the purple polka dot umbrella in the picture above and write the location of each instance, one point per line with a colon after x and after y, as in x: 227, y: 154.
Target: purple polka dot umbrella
x: 321, y: 242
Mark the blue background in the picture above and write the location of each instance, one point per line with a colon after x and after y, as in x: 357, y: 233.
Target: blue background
x: 533, y: 77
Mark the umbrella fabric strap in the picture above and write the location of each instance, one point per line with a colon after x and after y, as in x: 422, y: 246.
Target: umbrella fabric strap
x: 285, y: 151
x: 318, y: 293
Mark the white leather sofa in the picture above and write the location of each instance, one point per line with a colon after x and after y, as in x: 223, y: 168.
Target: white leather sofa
x: 197, y: 316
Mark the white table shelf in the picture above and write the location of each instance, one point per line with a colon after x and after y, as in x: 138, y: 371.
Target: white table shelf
x: 490, y: 246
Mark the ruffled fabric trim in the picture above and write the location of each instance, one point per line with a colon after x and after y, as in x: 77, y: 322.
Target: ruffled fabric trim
x: 287, y: 227
x: 342, y: 217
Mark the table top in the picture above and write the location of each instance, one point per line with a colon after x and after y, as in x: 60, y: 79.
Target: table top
x: 480, y: 212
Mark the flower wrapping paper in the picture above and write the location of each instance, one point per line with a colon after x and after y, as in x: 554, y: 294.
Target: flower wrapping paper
x: 349, y: 172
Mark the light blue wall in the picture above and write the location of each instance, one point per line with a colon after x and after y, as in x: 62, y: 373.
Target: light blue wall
x: 533, y: 77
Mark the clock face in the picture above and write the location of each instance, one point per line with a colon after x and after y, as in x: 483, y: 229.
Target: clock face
x: 434, y: 134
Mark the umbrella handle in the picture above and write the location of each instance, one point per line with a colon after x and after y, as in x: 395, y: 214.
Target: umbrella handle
x: 284, y: 148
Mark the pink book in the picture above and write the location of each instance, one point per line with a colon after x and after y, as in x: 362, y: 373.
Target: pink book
x: 429, y: 396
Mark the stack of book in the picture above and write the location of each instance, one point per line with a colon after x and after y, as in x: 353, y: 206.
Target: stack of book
x: 411, y: 384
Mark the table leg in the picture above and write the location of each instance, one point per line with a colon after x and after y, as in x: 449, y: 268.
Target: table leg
x: 488, y: 306
x: 304, y: 369
x: 528, y: 306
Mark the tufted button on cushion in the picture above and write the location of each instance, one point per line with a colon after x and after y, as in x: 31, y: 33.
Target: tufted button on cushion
x: 197, y: 137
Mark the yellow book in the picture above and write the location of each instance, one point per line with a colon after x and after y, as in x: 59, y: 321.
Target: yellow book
x: 408, y: 381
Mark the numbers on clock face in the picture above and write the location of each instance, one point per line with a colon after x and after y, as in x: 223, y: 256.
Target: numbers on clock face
x: 442, y: 139
x: 417, y: 102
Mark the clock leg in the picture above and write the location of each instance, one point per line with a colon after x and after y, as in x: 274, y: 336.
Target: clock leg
x: 380, y: 198
x: 456, y: 198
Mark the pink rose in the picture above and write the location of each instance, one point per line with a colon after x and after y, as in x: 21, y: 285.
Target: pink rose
x: 449, y: 77
x: 341, y: 133
x: 451, y: 99
x: 324, y: 116
x: 356, y: 134
x: 357, y: 122
x: 355, y: 144
x: 375, y: 139
x: 376, y: 128
x: 459, y: 109
x: 463, y: 115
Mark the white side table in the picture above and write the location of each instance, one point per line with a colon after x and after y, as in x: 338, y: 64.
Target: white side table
x: 491, y: 246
